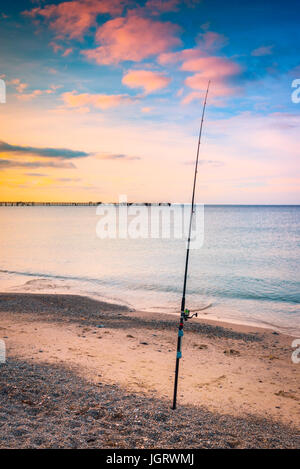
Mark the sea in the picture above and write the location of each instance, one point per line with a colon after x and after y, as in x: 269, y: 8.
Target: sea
x: 246, y: 269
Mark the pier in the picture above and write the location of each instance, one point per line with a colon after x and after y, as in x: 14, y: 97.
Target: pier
x: 78, y: 204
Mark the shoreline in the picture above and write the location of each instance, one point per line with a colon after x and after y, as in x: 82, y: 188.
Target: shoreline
x: 233, y: 372
x: 286, y: 330
x: 111, y: 305
x: 213, y: 319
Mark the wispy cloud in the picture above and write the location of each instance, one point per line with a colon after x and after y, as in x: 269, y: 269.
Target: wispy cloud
x: 35, y: 164
x: 218, y: 69
x: 67, y: 52
x: 100, y: 101
x: 61, y: 153
x: 36, y: 93
x: 118, y: 156
x: 56, y: 47
x: 211, y: 66
x: 147, y: 109
x: 263, y: 50
x: 157, y: 7
x: 207, y: 43
x: 150, y: 81
x: 214, y: 163
x: 16, y: 82
x: 68, y: 179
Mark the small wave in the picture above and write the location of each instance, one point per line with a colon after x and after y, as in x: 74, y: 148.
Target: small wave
x: 44, y: 275
x: 227, y: 293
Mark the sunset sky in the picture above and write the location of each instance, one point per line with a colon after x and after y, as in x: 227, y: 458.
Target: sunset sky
x: 104, y: 98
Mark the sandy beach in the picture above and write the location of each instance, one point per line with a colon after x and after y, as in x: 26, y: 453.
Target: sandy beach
x: 81, y: 373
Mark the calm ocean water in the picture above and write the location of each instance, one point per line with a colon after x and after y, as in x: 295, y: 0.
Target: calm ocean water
x: 247, y: 270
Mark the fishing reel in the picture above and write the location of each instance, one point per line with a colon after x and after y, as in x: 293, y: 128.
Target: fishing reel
x: 187, y: 314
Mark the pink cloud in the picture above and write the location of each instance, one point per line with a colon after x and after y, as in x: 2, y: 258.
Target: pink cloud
x: 146, y: 109
x: 206, y: 43
x: 207, y: 67
x: 211, y: 40
x: 162, y: 6
x: 211, y: 66
x: 29, y: 96
x: 295, y: 72
x: 157, y: 7
x: 132, y: 38
x: 194, y: 96
x: 36, y: 93
x: 73, y: 19
x: 150, y: 81
x: 174, y: 57
x: 218, y: 89
x: 101, y: 101
x: 68, y: 52
x: 20, y: 87
x: 264, y: 50
x: 56, y: 47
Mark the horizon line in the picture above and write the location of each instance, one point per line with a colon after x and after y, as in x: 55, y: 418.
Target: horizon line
x: 92, y: 203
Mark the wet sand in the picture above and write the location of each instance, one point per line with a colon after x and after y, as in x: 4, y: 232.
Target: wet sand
x: 238, y: 386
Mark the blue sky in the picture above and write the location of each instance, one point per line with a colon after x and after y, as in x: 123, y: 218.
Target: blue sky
x: 66, y: 71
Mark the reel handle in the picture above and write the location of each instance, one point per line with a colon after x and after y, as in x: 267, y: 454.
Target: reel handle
x: 187, y: 314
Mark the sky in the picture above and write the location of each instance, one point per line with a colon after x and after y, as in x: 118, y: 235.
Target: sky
x: 104, y: 98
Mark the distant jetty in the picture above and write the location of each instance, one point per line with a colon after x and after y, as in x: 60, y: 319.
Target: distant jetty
x: 78, y: 204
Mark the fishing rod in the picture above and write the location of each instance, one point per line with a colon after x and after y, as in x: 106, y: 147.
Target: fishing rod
x: 185, y: 313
